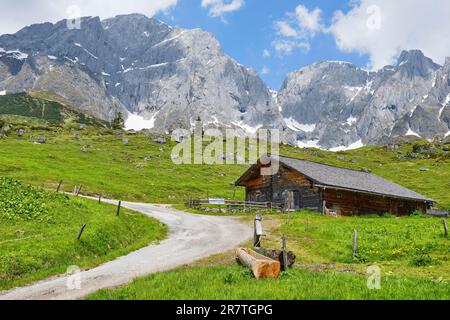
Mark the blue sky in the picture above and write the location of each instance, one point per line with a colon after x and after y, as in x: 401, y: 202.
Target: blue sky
x: 246, y: 33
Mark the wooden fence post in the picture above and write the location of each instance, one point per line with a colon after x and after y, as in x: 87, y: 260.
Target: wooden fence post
x: 284, y: 253
x: 355, y: 243
x: 118, y: 208
x: 100, y: 197
x: 258, y: 232
x: 75, y: 190
x: 79, y: 190
x: 59, y: 186
x: 444, y: 222
x: 81, y: 232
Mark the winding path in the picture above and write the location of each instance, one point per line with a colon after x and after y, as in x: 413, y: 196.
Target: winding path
x: 191, y: 237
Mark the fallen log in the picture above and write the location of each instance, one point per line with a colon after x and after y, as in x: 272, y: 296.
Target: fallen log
x: 277, y: 255
x: 261, y: 266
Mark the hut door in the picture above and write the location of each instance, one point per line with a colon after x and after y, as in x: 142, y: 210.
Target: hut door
x: 394, y: 208
x: 297, y: 200
x: 289, y: 204
x: 292, y: 200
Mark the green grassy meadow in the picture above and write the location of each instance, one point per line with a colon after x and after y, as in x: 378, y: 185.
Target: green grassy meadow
x: 39, y: 230
x: 138, y: 169
x: 411, y: 251
x: 236, y: 283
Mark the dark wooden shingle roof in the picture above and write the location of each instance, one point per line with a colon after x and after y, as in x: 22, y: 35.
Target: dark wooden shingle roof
x: 350, y: 179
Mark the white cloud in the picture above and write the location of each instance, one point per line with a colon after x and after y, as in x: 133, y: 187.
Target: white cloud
x: 218, y: 8
x: 284, y: 29
x: 265, y: 71
x: 383, y: 28
x: 17, y: 14
x: 310, y: 21
x: 286, y: 47
x: 266, y: 53
x: 297, y: 30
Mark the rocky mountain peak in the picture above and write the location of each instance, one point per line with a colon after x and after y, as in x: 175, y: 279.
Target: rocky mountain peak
x: 169, y: 76
x: 415, y: 63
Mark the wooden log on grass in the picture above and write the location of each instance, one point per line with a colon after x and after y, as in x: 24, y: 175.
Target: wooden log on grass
x: 261, y: 266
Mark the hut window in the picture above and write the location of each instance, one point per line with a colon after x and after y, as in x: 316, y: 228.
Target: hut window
x: 339, y: 195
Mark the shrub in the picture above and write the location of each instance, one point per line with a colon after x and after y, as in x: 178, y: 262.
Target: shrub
x: 421, y: 260
x: 19, y: 202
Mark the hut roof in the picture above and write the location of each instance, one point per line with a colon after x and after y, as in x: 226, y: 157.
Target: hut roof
x: 345, y: 179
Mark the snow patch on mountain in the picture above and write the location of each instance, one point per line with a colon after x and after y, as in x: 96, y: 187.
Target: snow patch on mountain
x: 351, y: 121
x: 358, y: 144
x: 309, y: 144
x: 412, y: 133
x: 295, y: 126
x: 137, y: 122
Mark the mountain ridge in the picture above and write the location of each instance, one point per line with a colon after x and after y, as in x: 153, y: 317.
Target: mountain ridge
x: 170, y: 76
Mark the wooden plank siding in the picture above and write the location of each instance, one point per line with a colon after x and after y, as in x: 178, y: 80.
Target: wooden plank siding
x: 259, y: 188
x: 348, y: 203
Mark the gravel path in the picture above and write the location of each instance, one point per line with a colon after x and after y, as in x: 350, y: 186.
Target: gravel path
x: 191, y: 237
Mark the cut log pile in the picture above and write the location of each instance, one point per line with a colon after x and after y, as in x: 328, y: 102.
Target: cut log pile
x: 277, y: 255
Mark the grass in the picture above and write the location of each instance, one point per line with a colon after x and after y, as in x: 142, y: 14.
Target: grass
x: 109, y: 165
x: 102, y: 162
x: 411, y: 252
x: 236, y: 283
x: 411, y: 246
x: 38, y: 233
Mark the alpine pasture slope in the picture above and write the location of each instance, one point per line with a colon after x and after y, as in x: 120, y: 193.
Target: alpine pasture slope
x: 134, y: 167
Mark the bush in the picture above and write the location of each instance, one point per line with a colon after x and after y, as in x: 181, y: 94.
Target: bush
x: 19, y: 202
x: 421, y: 260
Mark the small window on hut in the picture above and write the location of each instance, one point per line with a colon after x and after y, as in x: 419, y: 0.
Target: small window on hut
x: 339, y: 195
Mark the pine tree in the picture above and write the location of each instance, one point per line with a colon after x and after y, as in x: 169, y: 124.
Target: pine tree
x: 118, y: 123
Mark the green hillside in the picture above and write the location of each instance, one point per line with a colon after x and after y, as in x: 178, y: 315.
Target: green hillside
x: 134, y: 167
x: 39, y: 229
x: 41, y: 107
x: 123, y: 165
